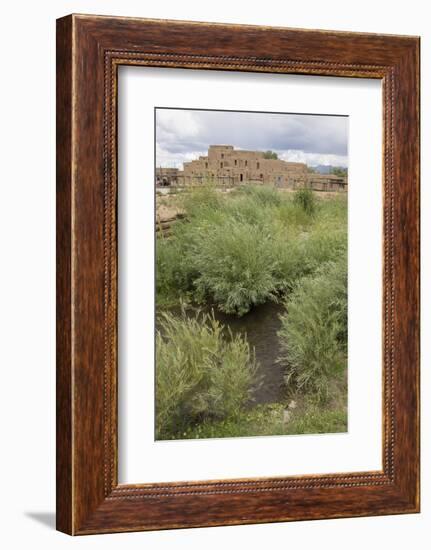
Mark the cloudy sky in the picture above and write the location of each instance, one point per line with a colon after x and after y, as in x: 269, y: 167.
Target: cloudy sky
x: 183, y: 135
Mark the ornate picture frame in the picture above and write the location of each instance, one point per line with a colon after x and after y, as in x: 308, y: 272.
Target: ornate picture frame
x: 89, y: 51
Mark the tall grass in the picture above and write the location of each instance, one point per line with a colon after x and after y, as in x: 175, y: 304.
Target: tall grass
x: 202, y: 372
x: 266, y: 196
x: 305, y: 198
x: 313, y: 336
x: 248, y: 247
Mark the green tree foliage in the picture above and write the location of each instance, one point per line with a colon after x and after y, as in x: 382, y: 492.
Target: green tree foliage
x: 270, y: 155
x: 338, y: 171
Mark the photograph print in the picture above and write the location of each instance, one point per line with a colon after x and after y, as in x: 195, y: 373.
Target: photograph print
x: 251, y: 273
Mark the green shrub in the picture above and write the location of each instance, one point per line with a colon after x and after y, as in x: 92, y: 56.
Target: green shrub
x: 174, y: 273
x: 306, y: 200
x: 313, y: 336
x: 247, y: 247
x: 168, y: 269
x: 202, y: 371
x: 236, y: 266
x: 320, y: 247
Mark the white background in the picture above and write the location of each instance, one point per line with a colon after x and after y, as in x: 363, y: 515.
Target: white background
x: 27, y: 214
x: 141, y: 458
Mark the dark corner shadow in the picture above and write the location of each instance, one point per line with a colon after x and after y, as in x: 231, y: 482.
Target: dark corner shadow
x: 45, y: 518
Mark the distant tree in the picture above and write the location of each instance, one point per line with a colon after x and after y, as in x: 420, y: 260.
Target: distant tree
x: 338, y: 171
x: 270, y: 155
x: 311, y: 169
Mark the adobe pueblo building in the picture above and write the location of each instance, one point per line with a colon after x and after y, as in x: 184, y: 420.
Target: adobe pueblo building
x: 225, y: 166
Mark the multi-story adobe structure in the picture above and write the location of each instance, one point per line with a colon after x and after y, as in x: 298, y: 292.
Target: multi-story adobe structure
x: 226, y: 166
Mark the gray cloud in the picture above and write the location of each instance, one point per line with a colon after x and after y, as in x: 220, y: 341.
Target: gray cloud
x: 181, y: 133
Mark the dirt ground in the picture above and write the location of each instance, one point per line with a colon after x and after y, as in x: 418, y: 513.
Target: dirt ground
x: 167, y: 207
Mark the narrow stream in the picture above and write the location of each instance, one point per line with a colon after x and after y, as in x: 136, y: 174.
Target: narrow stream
x: 260, y: 326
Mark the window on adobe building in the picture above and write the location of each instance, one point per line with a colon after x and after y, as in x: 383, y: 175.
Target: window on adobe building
x: 221, y: 165
x: 257, y: 165
x: 246, y: 162
x: 261, y: 176
x: 206, y: 165
x: 222, y: 155
x: 236, y: 162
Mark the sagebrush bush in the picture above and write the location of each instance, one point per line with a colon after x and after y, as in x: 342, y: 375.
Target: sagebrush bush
x: 313, y: 336
x: 203, y: 372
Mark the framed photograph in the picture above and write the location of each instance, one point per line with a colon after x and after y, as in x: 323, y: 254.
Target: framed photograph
x: 237, y: 274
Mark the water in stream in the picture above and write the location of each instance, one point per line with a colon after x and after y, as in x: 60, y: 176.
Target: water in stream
x: 260, y: 326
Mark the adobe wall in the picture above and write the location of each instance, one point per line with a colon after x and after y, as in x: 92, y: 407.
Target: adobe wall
x: 226, y: 166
